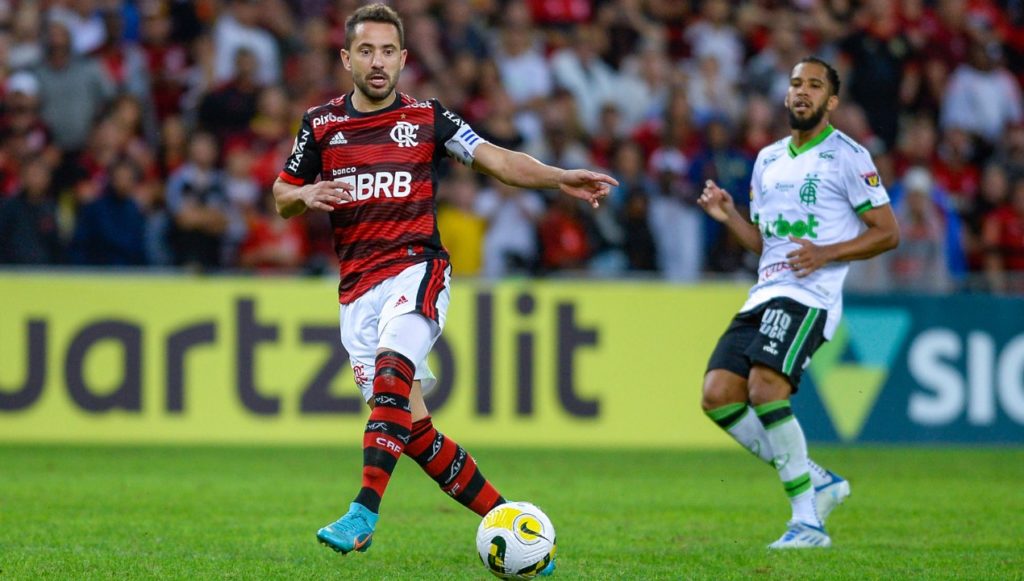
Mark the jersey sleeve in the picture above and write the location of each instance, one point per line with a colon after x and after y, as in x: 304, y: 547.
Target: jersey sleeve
x: 459, y: 139
x: 755, y: 187
x: 863, y: 186
x: 304, y: 164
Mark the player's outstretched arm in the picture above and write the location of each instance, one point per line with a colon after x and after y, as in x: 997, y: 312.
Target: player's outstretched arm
x: 293, y: 200
x: 521, y: 170
x: 719, y: 205
x: 882, y: 234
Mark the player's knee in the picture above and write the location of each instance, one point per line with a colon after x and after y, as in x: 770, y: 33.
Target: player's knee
x: 718, y: 393
x: 767, y: 385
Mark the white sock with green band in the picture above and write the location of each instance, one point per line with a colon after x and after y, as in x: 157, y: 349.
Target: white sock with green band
x: 740, y: 421
x: 790, y: 450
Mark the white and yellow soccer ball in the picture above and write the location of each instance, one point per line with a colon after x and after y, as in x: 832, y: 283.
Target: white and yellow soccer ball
x: 516, y: 540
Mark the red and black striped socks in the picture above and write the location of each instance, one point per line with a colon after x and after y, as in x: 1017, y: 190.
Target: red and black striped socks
x: 388, y: 429
x: 454, y: 470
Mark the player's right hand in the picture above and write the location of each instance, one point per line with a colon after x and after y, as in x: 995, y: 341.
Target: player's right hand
x: 326, y: 195
x: 716, y: 202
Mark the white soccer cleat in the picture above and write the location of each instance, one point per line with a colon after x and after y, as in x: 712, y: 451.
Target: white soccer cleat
x: 802, y: 536
x: 830, y: 495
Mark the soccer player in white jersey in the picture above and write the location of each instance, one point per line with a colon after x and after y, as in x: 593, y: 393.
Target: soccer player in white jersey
x: 816, y: 202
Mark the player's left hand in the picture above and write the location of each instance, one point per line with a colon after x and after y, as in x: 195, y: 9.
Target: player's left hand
x: 586, y: 185
x: 806, y: 259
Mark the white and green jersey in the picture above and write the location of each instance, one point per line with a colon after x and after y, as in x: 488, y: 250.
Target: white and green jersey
x: 815, y: 192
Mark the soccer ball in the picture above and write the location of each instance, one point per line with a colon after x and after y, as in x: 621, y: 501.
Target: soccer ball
x: 516, y: 540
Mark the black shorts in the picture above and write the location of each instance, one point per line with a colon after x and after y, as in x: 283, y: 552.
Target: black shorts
x: 781, y: 333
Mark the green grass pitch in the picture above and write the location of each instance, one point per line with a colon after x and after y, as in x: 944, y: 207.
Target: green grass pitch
x: 251, y: 513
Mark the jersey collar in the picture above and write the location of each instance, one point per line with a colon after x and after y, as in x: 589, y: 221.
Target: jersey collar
x: 795, y: 151
x: 352, y: 112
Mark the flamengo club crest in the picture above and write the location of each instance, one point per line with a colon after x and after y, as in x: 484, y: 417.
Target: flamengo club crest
x: 404, y: 134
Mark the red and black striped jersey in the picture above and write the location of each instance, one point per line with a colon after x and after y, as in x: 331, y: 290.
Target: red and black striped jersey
x: 391, y: 158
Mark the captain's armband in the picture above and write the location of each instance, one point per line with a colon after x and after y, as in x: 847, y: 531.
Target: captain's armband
x: 462, y: 146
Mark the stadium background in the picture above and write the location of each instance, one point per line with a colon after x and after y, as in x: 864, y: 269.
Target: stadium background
x: 150, y: 296
x: 183, y: 112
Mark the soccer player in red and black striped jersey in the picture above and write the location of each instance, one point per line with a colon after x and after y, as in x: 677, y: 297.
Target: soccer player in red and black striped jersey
x: 369, y: 160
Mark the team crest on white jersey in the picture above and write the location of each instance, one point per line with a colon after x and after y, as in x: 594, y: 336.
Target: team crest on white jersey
x: 404, y: 134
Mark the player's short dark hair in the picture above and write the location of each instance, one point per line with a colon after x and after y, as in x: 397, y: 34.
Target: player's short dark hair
x: 373, y: 13
x: 830, y: 72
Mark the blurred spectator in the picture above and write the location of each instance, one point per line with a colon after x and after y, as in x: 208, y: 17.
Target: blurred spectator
x: 227, y: 110
x: 709, y: 93
x: 875, y: 56
x: 127, y: 67
x: 757, y: 128
x: 462, y: 32
x: 992, y: 194
x: 560, y: 11
x: 580, y: 70
x: 173, y: 148
x: 425, y: 59
x: 237, y: 30
x: 268, y: 137
x: 956, y: 173
x: 28, y: 221
x: 1010, y: 153
x: 199, y: 207
x: 111, y: 230
x: 561, y: 142
x: 62, y: 75
x: 713, y: 35
x: 563, y: 236
x: 630, y: 31
x: 644, y: 86
x: 730, y: 168
x: 88, y: 172
x: 83, y: 21
x: 982, y: 97
x: 167, y: 60
x: 26, y: 50
x: 629, y: 169
x: 675, y: 219
x: 510, y: 244
x: 498, y: 124
x: 272, y: 244
x: 525, y: 73
x: 462, y: 228
x: 917, y: 144
x: 767, y: 72
x: 638, y: 240
x: 850, y: 119
x: 919, y: 263
x: 24, y: 134
x: 1003, y: 236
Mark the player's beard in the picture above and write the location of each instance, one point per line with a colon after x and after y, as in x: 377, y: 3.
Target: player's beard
x: 811, y: 121
x: 363, y: 83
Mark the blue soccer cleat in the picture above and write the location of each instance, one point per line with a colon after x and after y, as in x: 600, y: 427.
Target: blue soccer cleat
x: 831, y: 494
x: 549, y: 570
x: 800, y: 535
x: 352, y: 532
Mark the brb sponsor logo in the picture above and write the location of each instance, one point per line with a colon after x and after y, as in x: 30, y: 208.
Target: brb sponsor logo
x: 381, y: 184
x: 780, y: 227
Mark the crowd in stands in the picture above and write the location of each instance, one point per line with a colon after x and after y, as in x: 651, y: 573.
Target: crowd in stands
x: 149, y: 132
